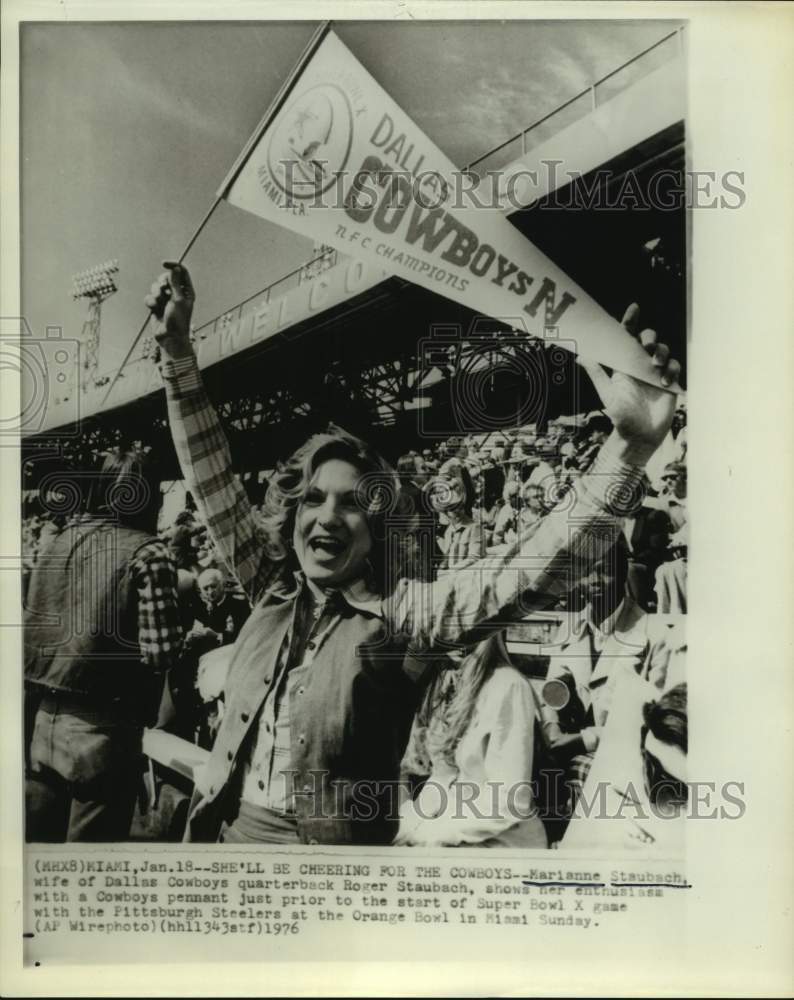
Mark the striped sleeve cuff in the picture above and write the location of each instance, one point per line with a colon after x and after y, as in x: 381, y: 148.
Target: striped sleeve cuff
x: 181, y: 376
x: 613, y: 485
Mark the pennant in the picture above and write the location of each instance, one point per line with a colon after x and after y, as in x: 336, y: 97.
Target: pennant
x: 340, y: 163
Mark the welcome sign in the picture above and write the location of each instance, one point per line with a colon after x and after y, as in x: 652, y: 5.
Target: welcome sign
x: 341, y: 163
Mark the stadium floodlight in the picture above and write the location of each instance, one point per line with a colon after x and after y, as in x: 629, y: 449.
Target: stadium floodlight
x: 95, y: 284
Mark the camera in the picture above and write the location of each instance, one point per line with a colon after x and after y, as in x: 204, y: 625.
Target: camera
x: 49, y: 380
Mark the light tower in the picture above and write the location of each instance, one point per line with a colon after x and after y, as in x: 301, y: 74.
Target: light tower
x: 96, y: 284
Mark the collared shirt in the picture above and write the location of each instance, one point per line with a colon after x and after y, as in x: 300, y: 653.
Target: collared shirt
x: 601, y: 631
x: 266, y: 781
x: 583, y: 649
x: 316, y: 614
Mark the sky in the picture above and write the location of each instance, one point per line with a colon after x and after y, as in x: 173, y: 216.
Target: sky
x: 127, y: 131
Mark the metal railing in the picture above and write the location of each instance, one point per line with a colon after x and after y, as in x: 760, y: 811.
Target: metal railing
x: 280, y: 286
x: 581, y: 104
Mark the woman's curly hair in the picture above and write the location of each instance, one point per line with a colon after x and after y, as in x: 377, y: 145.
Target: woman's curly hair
x: 377, y: 492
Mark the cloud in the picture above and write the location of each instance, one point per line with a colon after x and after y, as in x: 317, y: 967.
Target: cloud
x: 155, y: 97
x: 145, y: 77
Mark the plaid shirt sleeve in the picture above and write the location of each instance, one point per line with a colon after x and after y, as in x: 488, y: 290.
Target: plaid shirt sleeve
x: 206, y: 462
x: 546, y: 561
x: 159, y: 626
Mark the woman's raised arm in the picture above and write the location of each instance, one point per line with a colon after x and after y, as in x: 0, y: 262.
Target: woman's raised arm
x: 199, y: 439
x: 550, y: 558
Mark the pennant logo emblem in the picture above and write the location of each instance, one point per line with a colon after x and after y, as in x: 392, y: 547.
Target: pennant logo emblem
x: 311, y: 143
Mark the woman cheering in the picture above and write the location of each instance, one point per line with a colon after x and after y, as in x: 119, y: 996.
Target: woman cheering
x: 321, y: 690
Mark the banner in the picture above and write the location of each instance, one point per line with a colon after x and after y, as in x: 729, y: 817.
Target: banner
x: 342, y: 164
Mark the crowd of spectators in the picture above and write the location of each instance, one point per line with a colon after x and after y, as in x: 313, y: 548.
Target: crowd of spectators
x: 480, y: 493
x: 510, y: 479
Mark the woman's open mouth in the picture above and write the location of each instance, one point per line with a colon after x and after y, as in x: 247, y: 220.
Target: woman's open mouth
x: 327, y: 547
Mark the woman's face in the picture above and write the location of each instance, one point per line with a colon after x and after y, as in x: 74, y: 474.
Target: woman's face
x: 332, y: 538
